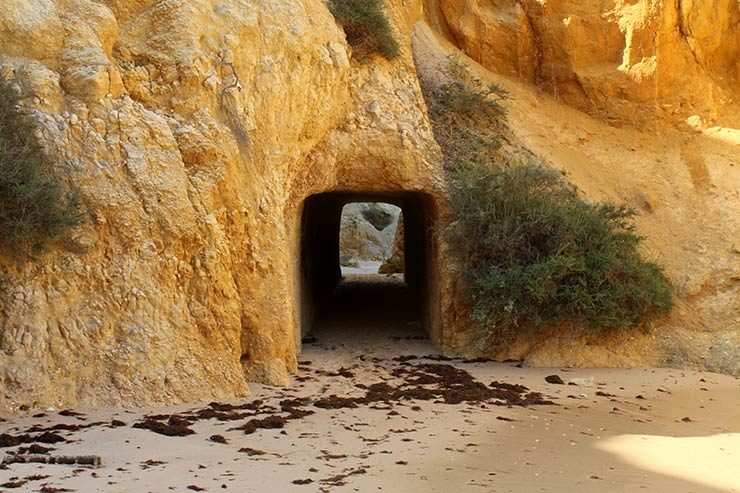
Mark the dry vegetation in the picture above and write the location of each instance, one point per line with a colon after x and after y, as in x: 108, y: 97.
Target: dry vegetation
x: 533, y: 252
x: 366, y: 26
x: 34, y: 209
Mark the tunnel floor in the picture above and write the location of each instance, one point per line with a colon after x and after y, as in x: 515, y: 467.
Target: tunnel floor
x: 366, y: 308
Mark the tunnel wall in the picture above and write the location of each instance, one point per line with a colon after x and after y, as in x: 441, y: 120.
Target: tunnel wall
x: 320, y: 269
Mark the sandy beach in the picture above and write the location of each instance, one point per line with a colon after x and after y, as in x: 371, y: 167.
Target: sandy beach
x: 630, y: 430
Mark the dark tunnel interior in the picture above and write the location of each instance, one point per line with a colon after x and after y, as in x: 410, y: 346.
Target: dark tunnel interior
x: 378, y: 303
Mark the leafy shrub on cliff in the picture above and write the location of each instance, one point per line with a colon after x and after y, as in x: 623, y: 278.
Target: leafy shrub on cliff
x: 33, y: 208
x: 535, y: 254
x: 366, y: 26
x: 468, y: 117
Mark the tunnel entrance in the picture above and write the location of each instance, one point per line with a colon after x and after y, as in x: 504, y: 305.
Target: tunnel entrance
x: 342, y: 293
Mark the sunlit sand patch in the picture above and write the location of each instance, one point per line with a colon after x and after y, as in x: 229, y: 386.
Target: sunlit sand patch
x: 712, y: 461
x: 725, y: 134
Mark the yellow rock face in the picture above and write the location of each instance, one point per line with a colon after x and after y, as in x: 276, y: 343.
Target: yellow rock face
x: 196, y: 129
x: 625, y: 61
x: 683, y: 180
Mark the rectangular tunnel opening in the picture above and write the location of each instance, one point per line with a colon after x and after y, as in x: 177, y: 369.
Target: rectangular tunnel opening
x: 343, y: 294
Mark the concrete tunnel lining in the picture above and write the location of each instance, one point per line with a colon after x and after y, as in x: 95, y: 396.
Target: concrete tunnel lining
x: 320, y: 252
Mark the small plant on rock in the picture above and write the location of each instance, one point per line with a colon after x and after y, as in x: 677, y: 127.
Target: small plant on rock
x: 468, y: 117
x: 366, y: 26
x: 464, y: 97
x: 33, y: 208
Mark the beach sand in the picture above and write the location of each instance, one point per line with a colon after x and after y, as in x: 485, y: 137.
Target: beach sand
x: 642, y: 429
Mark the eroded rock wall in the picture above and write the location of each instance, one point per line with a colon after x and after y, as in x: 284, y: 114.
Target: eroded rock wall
x: 360, y: 239
x: 684, y: 184
x: 194, y: 131
x: 394, y: 264
x: 625, y: 61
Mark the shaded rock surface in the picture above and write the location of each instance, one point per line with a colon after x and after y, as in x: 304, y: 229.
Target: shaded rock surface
x: 361, y: 239
x: 394, y: 264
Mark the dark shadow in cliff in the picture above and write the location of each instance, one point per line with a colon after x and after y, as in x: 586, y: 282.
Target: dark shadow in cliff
x: 397, y: 304
x: 369, y: 308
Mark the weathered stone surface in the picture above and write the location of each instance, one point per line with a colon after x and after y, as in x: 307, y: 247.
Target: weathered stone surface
x: 182, y: 284
x: 361, y: 240
x: 196, y: 130
x: 623, y: 60
x: 394, y: 264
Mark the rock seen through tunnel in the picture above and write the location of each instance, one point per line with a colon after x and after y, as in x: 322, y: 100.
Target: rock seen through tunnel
x: 367, y: 238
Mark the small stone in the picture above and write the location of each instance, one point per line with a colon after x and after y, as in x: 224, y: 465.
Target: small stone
x: 582, y: 382
x: 218, y: 439
x: 554, y: 379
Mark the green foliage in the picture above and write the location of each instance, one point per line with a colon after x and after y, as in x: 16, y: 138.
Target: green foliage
x: 464, y: 96
x: 468, y: 117
x: 366, y: 26
x: 377, y: 216
x: 535, y: 254
x: 33, y: 208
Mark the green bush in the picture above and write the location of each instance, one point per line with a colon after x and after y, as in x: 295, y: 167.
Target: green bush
x: 33, y: 208
x: 366, y: 26
x: 535, y: 254
x: 468, y: 117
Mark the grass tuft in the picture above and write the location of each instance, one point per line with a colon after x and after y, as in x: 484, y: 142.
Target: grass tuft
x: 34, y: 210
x: 367, y: 27
x: 468, y: 117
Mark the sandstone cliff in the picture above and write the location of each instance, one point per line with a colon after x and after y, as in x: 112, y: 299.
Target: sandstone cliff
x: 195, y: 130
x: 684, y: 181
x: 624, y: 61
